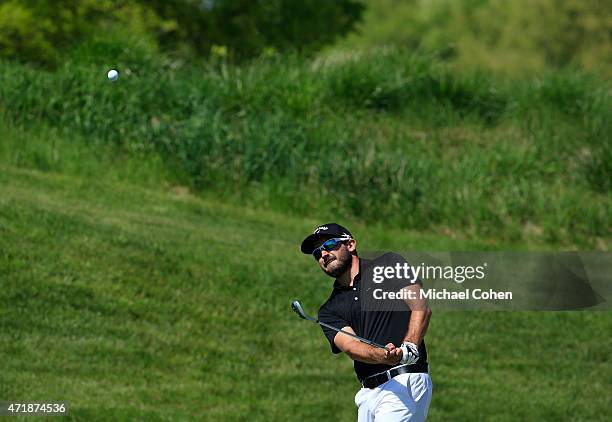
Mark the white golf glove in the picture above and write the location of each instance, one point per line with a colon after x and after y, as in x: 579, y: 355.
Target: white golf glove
x: 410, y: 353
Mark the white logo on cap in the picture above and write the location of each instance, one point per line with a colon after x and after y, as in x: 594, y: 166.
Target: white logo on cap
x: 319, y: 229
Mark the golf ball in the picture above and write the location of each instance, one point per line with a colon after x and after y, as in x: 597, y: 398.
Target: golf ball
x: 113, y: 75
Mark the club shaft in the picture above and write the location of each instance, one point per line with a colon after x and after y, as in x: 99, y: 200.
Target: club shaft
x: 297, y: 308
x: 363, y: 340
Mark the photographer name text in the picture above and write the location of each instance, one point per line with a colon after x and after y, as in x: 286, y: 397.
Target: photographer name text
x: 443, y: 294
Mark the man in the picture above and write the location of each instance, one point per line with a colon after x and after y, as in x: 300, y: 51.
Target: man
x: 395, y: 382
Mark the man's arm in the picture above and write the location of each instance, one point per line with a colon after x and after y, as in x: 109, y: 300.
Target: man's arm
x: 419, y: 317
x: 364, y: 352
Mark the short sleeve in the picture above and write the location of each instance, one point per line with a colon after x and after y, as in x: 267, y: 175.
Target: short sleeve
x: 329, y: 317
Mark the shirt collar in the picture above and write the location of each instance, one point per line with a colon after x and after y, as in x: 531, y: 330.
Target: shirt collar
x: 356, y: 280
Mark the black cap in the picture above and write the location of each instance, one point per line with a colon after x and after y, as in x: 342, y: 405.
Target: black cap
x: 324, y: 231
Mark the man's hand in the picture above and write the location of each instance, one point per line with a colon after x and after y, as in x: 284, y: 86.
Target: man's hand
x: 391, y: 355
x: 410, y: 353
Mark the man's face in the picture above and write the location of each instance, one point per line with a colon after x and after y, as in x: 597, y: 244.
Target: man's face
x: 336, y: 262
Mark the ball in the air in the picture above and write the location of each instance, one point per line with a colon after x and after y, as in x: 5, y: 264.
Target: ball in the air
x: 113, y: 75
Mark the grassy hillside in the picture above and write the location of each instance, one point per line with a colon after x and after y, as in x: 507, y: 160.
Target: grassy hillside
x: 149, y: 230
x: 387, y: 137
x: 137, y: 302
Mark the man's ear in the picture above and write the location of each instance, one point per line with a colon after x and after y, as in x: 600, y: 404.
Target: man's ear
x: 351, y: 245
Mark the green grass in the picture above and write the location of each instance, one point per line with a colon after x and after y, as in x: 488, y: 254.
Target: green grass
x: 149, y: 230
x: 443, y: 151
x: 144, y: 301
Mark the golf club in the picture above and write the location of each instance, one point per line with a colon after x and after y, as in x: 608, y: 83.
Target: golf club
x: 297, y: 308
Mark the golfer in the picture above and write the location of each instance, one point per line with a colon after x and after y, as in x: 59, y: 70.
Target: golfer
x: 395, y: 382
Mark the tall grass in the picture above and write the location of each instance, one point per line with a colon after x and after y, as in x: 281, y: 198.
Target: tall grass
x: 388, y: 137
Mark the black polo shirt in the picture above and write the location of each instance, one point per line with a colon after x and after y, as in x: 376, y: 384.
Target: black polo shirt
x: 387, y: 324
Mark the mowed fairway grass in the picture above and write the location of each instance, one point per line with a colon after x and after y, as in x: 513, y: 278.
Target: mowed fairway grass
x: 135, y: 302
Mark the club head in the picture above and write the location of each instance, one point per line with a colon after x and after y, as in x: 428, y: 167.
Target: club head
x: 297, y: 308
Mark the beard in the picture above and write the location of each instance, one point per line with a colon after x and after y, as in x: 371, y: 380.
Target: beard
x: 337, y: 263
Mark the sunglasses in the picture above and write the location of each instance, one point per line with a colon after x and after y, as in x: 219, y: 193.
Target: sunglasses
x: 329, y: 245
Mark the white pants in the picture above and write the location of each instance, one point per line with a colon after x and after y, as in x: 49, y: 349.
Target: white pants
x: 403, y: 398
